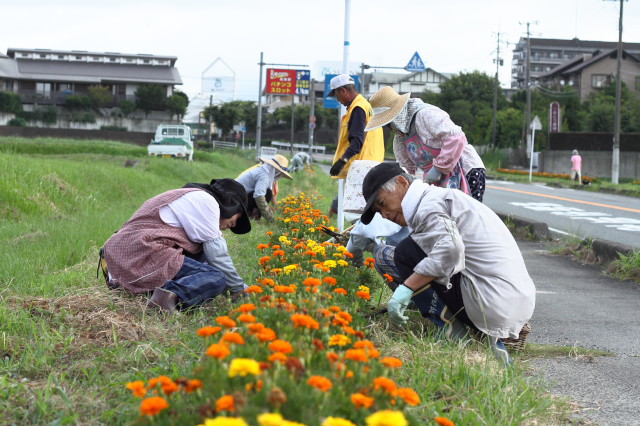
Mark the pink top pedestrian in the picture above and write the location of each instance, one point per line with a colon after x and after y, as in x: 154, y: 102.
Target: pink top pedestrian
x: 576, y: 162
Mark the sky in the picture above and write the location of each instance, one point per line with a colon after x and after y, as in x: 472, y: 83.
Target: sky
x: 451, y: 36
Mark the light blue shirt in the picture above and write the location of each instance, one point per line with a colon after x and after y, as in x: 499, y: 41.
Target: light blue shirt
x: 258, y: 180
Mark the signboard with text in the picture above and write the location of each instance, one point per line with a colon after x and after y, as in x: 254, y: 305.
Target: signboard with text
x: 330, y: 102
x: 554, y: 117
x: 288, y: 82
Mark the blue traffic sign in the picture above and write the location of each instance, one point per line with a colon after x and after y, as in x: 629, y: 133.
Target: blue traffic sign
x: 415, y: 64
x: 330, y: 102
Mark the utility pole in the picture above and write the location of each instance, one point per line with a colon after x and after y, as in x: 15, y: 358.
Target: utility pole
x: 293, y: 106
x: 615, y: 158
x: 527, y: 83
x: 312, y: 117
x: 498, y: 62
x: 259, y: 124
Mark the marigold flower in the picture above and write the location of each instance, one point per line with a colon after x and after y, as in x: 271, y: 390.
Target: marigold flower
x: 361, y: 400
x: 278, y: 356
x: 373, y: 353
x: 388, y: 277
x: 275, y: 247
x: 268, y: 281
x: 264, y: 260
x: 356, y: 355
x: 168, y: 385
x: 344, y: 315
x: 225, y: 421
x: 330, y: 280
x: 337, y: 421
x: 271, y: 419
x: 263, y: 246
x: 352, y: 331
x: 311, y: 281
x: 443, y: 421
x: 226, y: 321
x: 343, y: 262
x: 302, y: 320
x: 348, y: 254
x: 320, y: 382
x: 385, y: 384
x: 266, y: 335
x: 253, y: 289
x: 269, y: 233
x: 137, y: 388
x: 332, y: 357
x: 152, y: 406
x: 255, y: 328
x: 225, y: 403
x: 361, y: 344
x: 387, y: 418
x: 233, y: 337
x: 208, y: 331
x: 340, y: 290
x: 281, y: 346
x: 335, y: 308
x: 192, y: 385
x: 369, y: 260
x: 283, y: 289
x: 408, y: 395
x: 243, y: 367
x: 392, y: 362
x: 279, y: 253
x: 329, y: 263
x: 257, y: 385
x: 218, y: 350
x: 339, y: 340
x: 319, y: 344
x: 364, y: 295
x: 247, y: 318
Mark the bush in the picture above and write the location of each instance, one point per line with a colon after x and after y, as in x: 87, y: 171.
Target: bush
x: 83, y: 117
x: 78, y: 102
x: 47, y: 116
x: 10, y: 102
x: 116, y: 128
x: 18, y: 122
x: 127, y: 107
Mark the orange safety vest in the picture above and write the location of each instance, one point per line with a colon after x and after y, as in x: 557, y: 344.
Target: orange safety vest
x: 373, y: 146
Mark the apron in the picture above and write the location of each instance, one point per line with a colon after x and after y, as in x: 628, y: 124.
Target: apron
x: 423, y: 155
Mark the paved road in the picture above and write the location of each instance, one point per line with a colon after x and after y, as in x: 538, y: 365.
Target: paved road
x: 583, y: 213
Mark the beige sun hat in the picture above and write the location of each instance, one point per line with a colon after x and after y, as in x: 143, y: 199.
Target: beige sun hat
x: 386, y: 104
x: 280, y: 162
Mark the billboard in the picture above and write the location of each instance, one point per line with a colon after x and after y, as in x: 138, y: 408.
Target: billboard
x: 222, y: 87
x: 288, y: 82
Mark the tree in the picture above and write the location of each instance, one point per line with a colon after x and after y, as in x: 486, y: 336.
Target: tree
x: 229, y: 114
x: 177, y: 104
x: 100, y: 96
x: 476, y: 88
x: 150, y: 97
x: 127, y: 107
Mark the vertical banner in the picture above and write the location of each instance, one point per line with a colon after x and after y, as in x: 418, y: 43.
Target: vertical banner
x: 555, y: 118
x: 281, y: 82
x: 303, y: 82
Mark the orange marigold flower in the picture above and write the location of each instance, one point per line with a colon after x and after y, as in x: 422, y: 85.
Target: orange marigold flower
x: 320, y: 382
x: 311, y: 281
x: 339, y: 340
x: 344, y: 315
x: 263, y: 246
x: 168, y: 385
x: 208, y: 331
x: 373, y: 353
x: 330, y: 280
x: 226, y: 322
x: 392, y: 362
x: 247, y: 318
x: 253, y: 289
x: 356, y: 355
x: 268, y: 281
x: 361, y: 344
x: 278, y: 253
x: 233, y: 337
x: 332, y: 357
x: 254, y: 328
x: 137, y: 388
x: 361, y: 400
x: 278, y: 356
x: 266, y: 335
x: 192, y: 385
x: 369, y: 260
x: 325, y: 312
x: 408, y: 395
x: 335, y: 308
x: 385, y: 384
x: 281, y: 346
x: 265, y: 298
x: 152, y: 406
x: 218, y: 350
x: 349, y: 374
x: 443, y: 421
x: 363, y: 295
x: 276, y: 247
x: 340, y: 290
x: 283, y: 289
x: 388, y: 277
x: 264, y: 259
x: 348, y: 254
x: 302, y: 320
x: 246, y: 307
x: 269, y: 233
x: 350, y: 330
x: 319, y: 344
x: 225, y: 403
x: 257, y: 385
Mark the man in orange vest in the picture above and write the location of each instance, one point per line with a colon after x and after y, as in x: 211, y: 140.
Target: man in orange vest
x: 354, y: 144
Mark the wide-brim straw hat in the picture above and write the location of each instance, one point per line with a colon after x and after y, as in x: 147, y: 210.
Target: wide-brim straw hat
x: 386, y: 104
x: 280, y: 162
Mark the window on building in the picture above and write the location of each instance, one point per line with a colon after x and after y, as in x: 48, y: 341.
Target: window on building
x: 554, y: 55
x: 638, y: 82
x: 65, y: 87
x: 60, y: 56
x: 112, y: 59
x: 599, y: 80
x: 43, y: 56
x: 43, y: 89
x: 78, y: 58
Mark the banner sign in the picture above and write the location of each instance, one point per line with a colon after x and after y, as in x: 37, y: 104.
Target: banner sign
x: 288, y: 82
x: 554, y: 117
x: 303, y: 82
x: 330, y: 102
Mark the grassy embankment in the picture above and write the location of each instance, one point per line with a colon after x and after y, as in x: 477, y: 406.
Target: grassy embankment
x: 68, y: 345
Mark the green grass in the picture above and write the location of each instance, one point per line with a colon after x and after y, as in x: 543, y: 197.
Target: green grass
x: 68, y: 345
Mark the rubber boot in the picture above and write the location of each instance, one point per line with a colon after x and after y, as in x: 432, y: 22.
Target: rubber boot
x: 163, y: 300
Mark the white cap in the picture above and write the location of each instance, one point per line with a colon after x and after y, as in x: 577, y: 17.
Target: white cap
x: 339, y: 81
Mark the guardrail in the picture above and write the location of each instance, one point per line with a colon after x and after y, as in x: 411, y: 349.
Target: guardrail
x: 298, y: 146
x: 224, y: 144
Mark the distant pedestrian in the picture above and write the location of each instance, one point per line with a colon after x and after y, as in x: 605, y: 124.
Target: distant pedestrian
x: 261, y: 184
x: 576, y: 166
x: 300, y: 161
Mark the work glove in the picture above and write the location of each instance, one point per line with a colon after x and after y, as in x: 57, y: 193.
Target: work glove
x: 337, y: 167
x: 433, y: 175
x: 398, y: 303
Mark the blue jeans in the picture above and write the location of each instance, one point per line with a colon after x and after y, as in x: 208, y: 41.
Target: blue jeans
x: 196, y: 283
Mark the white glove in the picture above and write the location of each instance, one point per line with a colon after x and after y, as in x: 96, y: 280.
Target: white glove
x: 398, y: 303
x: 433, y: 175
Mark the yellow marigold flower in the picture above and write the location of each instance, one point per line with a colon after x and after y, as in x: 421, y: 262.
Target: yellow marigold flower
x: 356, y: 355
x: 337, y: 255
x: 152, y: 406
x: 225, y: 421
x: 311, y: 243
x: 270, y: 419
x: 233, y: 337
x: 208, y: 331
x: 312, y: 230
x: 385, y: 384
x: 287, y: 220
x: 137, y: 388
x: 392, y: 362
x: 387, y: 418
x: 343, y: 262
x: 225, y: 403
x: 330, y: 263
x: 340, y: 290
x: 408, y: 395
x: 339, y: 340
x: 361, y: 400
x: 243, y: 367
x: 443, y: 421
x: 226, y: 321
x: 281, y: 346
x: 363, y: 288
x: 318, y: 249
x: 337, y: 421
x: 341, y: 249
x: 320, y: 382
x: 218, y: 350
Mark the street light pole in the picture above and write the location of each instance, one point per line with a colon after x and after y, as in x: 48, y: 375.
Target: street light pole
x: 259, y: 125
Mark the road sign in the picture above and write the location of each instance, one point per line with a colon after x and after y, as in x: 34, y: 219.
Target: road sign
x: 330, y: 102
x: 536, y: 124
x: 312, y: 125
x: 312, y: 119
x: 415, y: 64
x: 243, y: 128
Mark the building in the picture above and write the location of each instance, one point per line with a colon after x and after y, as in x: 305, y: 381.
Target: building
x: 414, y: 82
x: 46, y: 76
x: 589, y: 72
x: 548, y: 53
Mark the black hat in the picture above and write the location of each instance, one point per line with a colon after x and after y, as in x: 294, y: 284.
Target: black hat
x: 232, y: 198
x: 378, y: 176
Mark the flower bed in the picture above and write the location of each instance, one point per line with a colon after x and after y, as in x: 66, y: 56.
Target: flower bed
x: 587, y: 179
x: 295, y: 352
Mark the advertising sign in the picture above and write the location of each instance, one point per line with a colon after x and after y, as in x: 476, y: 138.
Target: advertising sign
x: 281, y: 82
x: 330, y: 102
x: 554, y: 117
x: 303, y: 82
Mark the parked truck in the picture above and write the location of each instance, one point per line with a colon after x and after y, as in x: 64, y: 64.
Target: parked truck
x: 172, y: 140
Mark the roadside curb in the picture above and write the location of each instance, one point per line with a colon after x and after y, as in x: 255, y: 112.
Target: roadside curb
x: 606, y: 251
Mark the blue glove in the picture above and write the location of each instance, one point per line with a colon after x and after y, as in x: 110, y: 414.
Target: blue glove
x: 398, y: 303
x: 433, y: 175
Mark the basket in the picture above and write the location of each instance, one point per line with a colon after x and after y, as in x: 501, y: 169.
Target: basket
x: 517, y: 345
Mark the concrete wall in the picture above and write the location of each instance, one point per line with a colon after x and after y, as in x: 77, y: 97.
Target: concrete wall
x: 131, y: 124
x: 594, y: 163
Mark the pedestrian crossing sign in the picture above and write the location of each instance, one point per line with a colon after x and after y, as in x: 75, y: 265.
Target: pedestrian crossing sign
x: 415, y: 64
